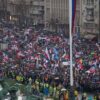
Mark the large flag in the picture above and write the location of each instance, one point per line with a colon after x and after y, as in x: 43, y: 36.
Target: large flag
x: 73, y: 13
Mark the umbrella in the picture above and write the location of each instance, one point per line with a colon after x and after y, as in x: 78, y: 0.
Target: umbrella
x: 63, y: 89
x: 88, y: 72
x: 56, y: 78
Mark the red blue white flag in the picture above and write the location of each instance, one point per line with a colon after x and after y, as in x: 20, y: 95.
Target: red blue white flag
x: 73, y: 13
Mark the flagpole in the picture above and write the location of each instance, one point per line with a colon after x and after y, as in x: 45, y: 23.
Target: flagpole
x: 71, y: 54
x: 70, y: 34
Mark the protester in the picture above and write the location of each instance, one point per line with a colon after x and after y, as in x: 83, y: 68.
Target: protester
x: 45, y: 59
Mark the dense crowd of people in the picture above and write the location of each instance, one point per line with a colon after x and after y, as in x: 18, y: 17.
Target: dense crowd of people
x: 43, y: 58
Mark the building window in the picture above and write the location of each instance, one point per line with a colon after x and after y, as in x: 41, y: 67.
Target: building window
x: 89, y: 25
x: 90, y: 14
x: 90, y: 2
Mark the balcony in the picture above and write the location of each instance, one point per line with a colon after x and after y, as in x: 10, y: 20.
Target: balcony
x: 89, y: 26
x: 89, y: 18
x: 36, y: 12
x: 90, y: 5
x: 37, y: 3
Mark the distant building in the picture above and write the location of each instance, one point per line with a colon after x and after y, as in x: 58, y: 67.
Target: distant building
x: 27, y: 9
x: 19, y: 10
x: 37, y: 11
x: 56, y: 14
x: 90, y: 17
x: 3, y: 9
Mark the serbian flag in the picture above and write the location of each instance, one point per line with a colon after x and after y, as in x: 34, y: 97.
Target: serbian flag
x: 73, y: 13
x: 47, y: 53
x: 5, y: 58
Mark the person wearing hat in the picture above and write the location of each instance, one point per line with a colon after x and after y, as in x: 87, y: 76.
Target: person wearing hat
x: 84, y: 96
x: 54, y: 91
x: 44, y: 85
x: 66, y: 95
x: 47, y: 85
x: 37, y: 85
x: 18, y: 78
x: 41, y: 87
x: 90, y: 97
x: 21, y: 78
x: 46, y: 90
x: 36, y: 82
x: 76, y: 95
x: 34, y: 88
x: 1, y: 92
x: 51, y: 90
x: 57, y: 94
x: 97, y: 97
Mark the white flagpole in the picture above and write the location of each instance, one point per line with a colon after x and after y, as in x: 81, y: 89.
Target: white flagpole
x: 70, y: 34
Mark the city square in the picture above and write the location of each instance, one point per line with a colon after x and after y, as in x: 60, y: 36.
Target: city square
x: 49, y: 50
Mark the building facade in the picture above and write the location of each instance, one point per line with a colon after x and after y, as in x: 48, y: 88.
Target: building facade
x: 3, y: 9
x: 27, y: 9
x: 90, y: 19
x: 56, y: 14
x: 37, y: 11
x: 19, y: 11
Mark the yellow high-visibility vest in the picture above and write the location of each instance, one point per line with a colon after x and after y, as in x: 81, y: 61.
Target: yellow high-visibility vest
x: 47, y: 85
x: 36, y: 82
x: 41, y: 84
x: 75, y: 93
x: 55, y: 89
x: 18, y: 78
x: 44, y: 85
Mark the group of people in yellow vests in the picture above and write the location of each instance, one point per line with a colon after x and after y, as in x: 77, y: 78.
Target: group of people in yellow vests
x: 49, y: 90
x: 53, y: 90
x: 19, y: 78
